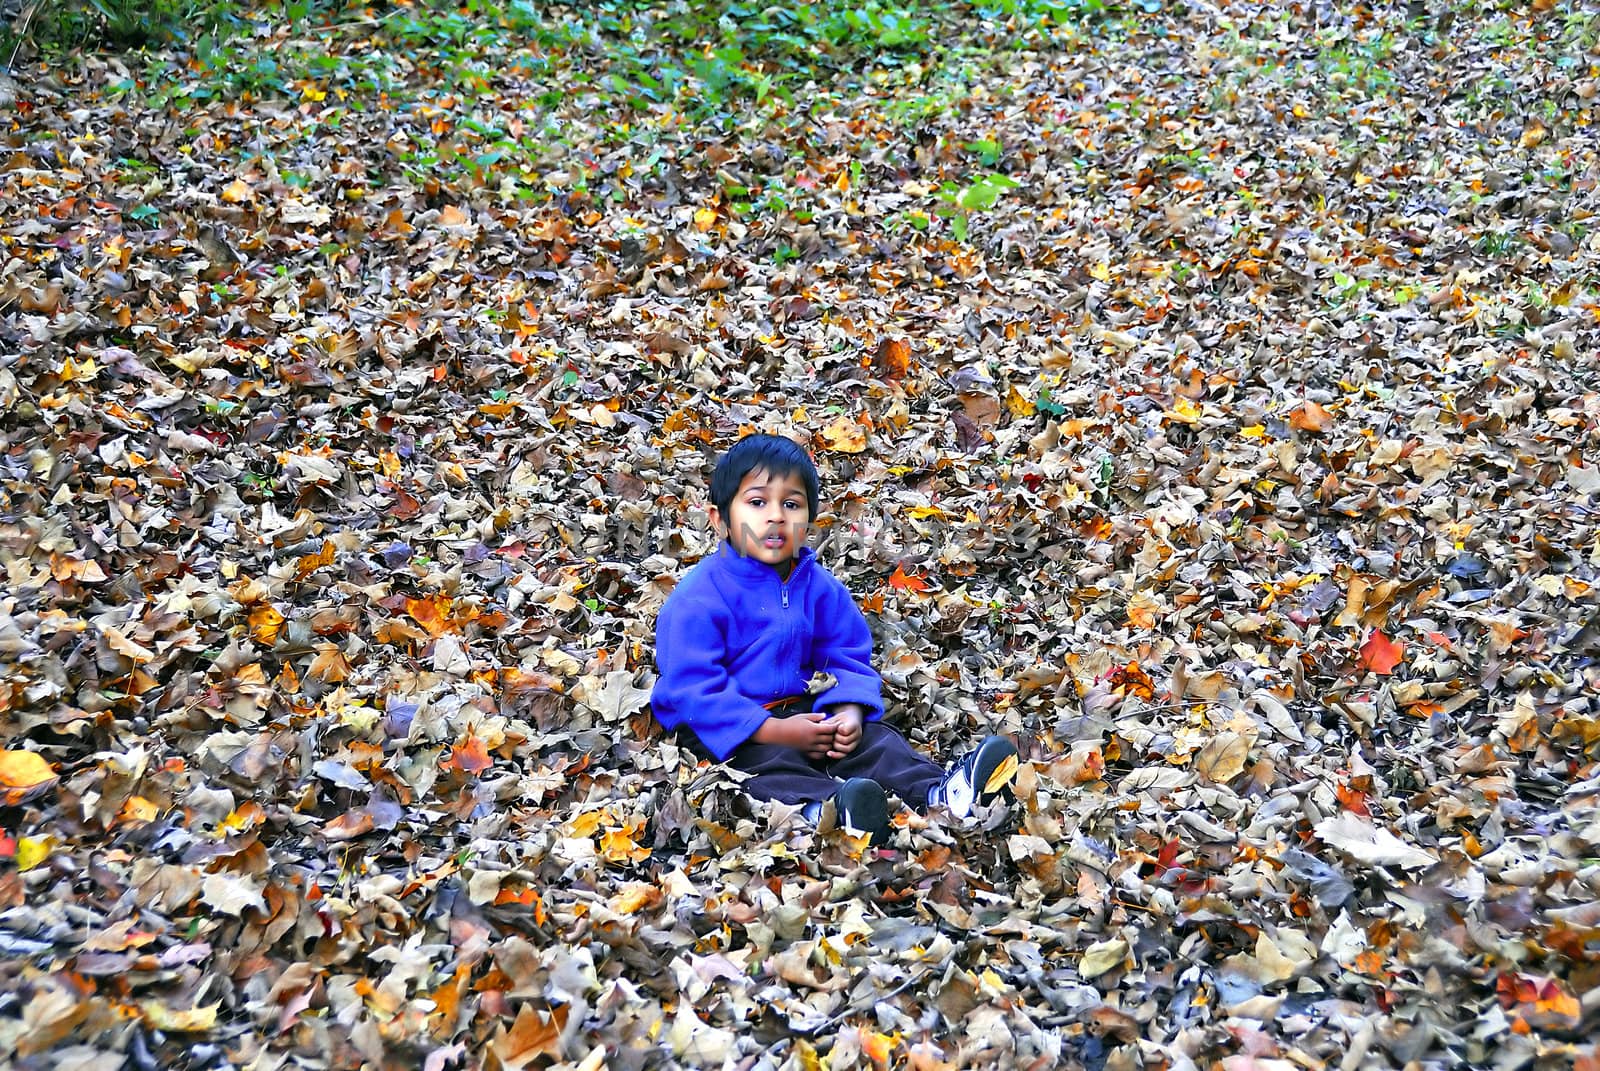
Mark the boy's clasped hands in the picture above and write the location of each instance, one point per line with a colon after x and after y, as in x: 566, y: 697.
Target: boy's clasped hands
x: 817, y: 734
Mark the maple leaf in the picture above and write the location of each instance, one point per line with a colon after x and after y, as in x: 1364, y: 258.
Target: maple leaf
x: 844, y: 436
x: 470, y: 756
x: 903, y: 581
x: 1380, y: 654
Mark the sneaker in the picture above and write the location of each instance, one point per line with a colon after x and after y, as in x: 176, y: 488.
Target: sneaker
x: 863, y: 807
x: 967, y: 783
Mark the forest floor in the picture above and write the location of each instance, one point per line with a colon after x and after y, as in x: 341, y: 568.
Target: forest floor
x: 1204, y: 393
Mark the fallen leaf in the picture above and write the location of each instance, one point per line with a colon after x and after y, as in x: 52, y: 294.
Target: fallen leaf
x: 844, y: 436
x: 1310, y: 416
x: 1370, y: 844
x: 1223, y: 758
x: 1101, y: 958
x: 1380, y: 654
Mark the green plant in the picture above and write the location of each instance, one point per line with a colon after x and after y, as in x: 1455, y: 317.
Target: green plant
x: 959, y: 202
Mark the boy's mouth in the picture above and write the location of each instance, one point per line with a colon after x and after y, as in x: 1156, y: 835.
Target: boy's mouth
x: 773, y: 542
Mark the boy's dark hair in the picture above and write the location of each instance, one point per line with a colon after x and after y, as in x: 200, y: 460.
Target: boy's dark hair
x: 772, y: 454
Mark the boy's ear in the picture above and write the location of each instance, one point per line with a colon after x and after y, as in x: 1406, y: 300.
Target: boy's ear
x: 716, y: 521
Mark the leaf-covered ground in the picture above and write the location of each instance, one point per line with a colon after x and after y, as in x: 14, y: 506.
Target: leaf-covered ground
x: 1206, y: 395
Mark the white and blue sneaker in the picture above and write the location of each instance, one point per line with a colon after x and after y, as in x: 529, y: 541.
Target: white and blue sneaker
x: 971, y: 780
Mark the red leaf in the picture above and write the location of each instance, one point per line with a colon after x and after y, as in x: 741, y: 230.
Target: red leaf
x: 1380, y: 654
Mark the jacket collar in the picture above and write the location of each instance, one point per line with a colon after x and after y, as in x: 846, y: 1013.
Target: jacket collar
x: 755, y: 571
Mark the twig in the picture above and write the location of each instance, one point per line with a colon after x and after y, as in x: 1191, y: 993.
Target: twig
x: 22, y: 35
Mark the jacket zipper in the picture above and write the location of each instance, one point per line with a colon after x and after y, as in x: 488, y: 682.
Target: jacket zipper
x: 788, y: 627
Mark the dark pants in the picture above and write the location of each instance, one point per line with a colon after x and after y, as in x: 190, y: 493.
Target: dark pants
x: 784, y: 774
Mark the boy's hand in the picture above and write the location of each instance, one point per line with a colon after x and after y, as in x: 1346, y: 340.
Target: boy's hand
x: 811, y: 734
x: 847, y: 718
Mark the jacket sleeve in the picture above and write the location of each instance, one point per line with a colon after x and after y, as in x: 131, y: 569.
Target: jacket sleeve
x: 842, y: 645
x: 693, y: 687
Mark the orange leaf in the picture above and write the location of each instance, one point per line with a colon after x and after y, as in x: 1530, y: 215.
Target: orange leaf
x: 636, y: 898
x: 893, y: 358
x: 432, y: 613
x: 470, y: 756
x: 523, y: 896
x: 1380, y: 654
x: 878, y: 1047
x: 907, y: 582
x: 23, y: 774
x: 330, y: 666
x: 310, y: 563
x: 617, y: 845
x: 1143, y: 610
x: 532, y: 1037
x: 1352, y: 799
x: 1309, y: 416
x: 348, y: 825
x: 1369, y: 963
x: 138, y: 809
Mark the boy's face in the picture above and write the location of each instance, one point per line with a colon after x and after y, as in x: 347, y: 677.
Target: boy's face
x: 767, y: 519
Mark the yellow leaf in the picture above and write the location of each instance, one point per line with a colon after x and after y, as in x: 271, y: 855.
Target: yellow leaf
x: 704, y: 219
x: 844, y: 436
x: 72, y: 371
x: 1184, y: 411
x: 237, y: 192
x: 23, y: 769
x: 1019, y: 406
x: 31, y: 851
x: 1002, y: 775
x: 585, y: 824
x: 1254, y: 431
x: 193, y: 1020
x: 1101, y: 271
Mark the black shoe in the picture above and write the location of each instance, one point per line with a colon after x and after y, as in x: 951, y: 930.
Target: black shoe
x: 966, y: 784
x: 863, y: 807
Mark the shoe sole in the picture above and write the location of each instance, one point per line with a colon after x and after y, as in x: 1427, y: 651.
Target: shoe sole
x: 863, y: 806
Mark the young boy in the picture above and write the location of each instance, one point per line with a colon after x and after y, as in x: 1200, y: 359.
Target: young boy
x: 740, y: 637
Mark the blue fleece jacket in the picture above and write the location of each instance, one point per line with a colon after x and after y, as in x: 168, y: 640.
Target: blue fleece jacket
x: 733, y: 636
